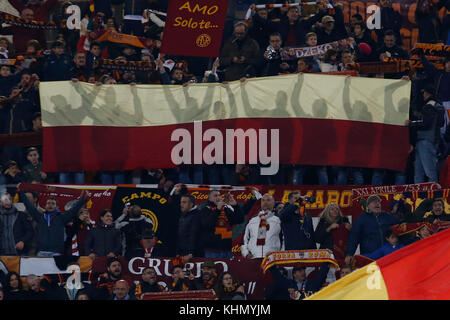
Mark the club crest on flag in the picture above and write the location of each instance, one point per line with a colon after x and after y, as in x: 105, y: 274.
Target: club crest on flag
x: 203, y: 40
x: 152, y: 216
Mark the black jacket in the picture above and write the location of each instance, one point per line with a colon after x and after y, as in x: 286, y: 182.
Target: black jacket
x: 298, y: 231
x: 102, y: 240
x: 22, y: 229
x: 132, y: 230
x: 324, y: 238
x: 208, y: 218
x: 397, y: 53
x: 188, y: 233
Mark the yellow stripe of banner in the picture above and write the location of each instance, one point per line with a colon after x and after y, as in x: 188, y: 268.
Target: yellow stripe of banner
x: 366, y: 283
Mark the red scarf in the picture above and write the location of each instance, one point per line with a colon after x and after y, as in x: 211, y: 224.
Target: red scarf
x: 263, y: 228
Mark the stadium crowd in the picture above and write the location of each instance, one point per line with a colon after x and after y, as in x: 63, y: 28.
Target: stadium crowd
x: 250, y: 48
x: 203, y: 231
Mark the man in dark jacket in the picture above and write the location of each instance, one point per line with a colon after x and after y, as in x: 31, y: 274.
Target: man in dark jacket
x: 428, y: 136
x: 369, y: 228
x: 16, y: 113
x: 298, y: 288
x: 52, y: 223
x: 133, y: 227
x: 391, y: 50
x: 103, y: 240
x: 217, y: 219
x: 149, y: 247
x: 106, y: 282
x: 296, y: 224
x: 331, y: 30
x: 208, y: 277
x: 57, y: 65
x: 240, y: 54
x: 187, y: 243
x: 15, y: 230
x: 149, y: 283
x: 272, y: 57
x: 80, y: 70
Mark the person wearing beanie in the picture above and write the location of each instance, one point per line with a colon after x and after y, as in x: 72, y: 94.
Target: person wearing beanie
x: 369, y: 229
x: 428, y: 136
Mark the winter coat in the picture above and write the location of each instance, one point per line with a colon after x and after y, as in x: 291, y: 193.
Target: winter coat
x: 9, y: 82
x: 22, y: 229
x: 273, y: 240
x: 324, y: 238
x: 51, y: 236
x: 132, y: 229
x: 57, y: 68
x: 298, y: 231
x: 102, y: 240
x: 247, y: 48
x: 433, y: 118
x: 368, y: 231
x: 15, y: 116
x: 188, y: 233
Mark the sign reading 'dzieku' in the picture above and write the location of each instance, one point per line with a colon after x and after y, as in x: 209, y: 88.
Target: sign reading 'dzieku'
x: 194, y: 27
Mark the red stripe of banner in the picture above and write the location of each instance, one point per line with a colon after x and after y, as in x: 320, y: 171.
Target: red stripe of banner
x: 419, y: 271
x: 302, y: 141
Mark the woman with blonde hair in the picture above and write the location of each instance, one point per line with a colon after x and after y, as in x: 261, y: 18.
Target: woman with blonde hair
x: 332, y: 231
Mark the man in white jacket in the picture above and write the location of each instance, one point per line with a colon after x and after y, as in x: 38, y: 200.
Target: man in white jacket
x: 263, y: 231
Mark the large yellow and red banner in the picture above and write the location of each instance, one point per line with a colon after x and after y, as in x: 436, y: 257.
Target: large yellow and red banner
x: 194, y: 27
x: 418, y: 271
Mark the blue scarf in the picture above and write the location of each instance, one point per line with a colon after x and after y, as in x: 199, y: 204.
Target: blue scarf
x: 49, y: 216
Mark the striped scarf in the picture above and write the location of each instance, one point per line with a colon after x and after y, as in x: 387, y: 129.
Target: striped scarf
x: 74, y: 248
x: 223, y: 227
x: 263, y: 226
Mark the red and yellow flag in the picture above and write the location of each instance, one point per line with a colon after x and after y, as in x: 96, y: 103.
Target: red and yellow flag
x: 420, y: 271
